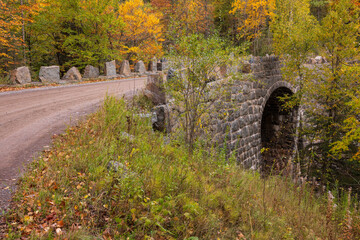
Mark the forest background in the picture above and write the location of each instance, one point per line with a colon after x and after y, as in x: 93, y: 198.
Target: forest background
x: 82, y: 32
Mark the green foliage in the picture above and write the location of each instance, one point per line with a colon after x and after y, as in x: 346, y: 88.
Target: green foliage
x: 160, y: 192
x: 331, y: 89
x: 226, y: 23
x: 76, y: 33
x: 197, y: 61
x: 348, y: 146
x: 319, y: 8
x: 324, y: 90
x: 293, y: 34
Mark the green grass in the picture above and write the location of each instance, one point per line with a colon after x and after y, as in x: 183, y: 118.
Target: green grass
x: 163, y: 193
x: 5, y: 80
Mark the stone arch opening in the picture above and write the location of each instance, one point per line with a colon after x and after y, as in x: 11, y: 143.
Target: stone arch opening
x: 278, y: 126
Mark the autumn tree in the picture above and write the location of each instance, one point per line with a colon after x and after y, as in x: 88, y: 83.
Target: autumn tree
x: 332, y: 89
x: 190, y: 17
x: 253, y: 18
x: 294, y: 36
x: 142, y: 35
x: 195, y: 59
x: 319, y: 8
x: 14, y: 15
x: 326, y: 90
x: 226, y: 23
x: 78, y: 32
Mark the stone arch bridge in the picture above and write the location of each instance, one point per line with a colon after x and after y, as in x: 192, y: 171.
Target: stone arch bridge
x: 254, y: 126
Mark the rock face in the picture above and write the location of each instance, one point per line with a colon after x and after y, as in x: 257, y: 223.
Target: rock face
x: 320, y: 59
x: 125, y: 68
x: 91, y: 72
x: 153, y: 89
x: 140, y: 67
x: 152, y: 65
x: 49, y: 74
x: 110, y: 69
x: 72, y: 74
x: 20, y: 75
x: 160, y: 118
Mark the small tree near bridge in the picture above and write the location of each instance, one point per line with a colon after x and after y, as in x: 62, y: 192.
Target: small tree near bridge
x: 198, y: 61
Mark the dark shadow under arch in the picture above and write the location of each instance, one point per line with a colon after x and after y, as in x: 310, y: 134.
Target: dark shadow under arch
x: 278, y: 126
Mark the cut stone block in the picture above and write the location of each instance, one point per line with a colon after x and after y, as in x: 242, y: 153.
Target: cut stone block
x: 49, y: 74
x: 72, y: 74
x: 140, y: 67
x: 110, y: 69
x: 91, y: 72
x: 125, y: 68
x: 20, y: 75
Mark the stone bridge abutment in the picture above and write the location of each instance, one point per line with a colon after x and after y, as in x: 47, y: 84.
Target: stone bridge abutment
x: 253, y: 125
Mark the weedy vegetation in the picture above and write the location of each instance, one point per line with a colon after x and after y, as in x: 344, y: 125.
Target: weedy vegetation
x: 112, y: 177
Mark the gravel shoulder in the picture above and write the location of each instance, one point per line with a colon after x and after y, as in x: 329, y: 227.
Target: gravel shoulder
x: 28, y: 119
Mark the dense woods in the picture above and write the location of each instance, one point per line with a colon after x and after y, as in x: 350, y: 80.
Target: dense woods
x: 80, y: 32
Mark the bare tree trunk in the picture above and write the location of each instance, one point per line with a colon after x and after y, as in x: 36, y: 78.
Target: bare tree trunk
x: 23, y: 32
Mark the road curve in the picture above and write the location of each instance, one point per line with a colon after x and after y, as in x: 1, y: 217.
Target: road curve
x: 29, y: 118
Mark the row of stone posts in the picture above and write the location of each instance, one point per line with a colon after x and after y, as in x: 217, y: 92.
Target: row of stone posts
x: 51, y: 74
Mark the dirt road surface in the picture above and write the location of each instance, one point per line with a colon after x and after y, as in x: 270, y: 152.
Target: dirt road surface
x: 29, y: 118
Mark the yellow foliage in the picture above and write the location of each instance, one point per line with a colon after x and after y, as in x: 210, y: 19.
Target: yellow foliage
x: 193, y: 15
x: 253, y: 15
x: 13, y: 16
x: 142, y: 34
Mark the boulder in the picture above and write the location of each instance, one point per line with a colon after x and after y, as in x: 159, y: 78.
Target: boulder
x: 125, y: 68
x: 91, y: 72
x: 140, y: 67
x: 49, y: 74
x: 152, y: 65
x: 320, y: 60
x: 20, y: 75
x: 72, y: 74
x: 110, y: 69
x: 160, y: 117
x: 215, y: 74
x: 311, y: 61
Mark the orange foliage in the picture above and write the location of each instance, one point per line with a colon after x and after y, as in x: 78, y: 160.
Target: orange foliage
x: 253, y: 15
x: 142, y: 34
x: 10, y: 23
x: 193, y: 16
x: 161, y: 4
x: 13, y: 16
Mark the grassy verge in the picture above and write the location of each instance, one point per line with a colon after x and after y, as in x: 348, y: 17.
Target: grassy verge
x: 113, y: 178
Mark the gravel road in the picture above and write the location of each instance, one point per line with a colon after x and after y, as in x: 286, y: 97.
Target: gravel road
x: 29, y: 118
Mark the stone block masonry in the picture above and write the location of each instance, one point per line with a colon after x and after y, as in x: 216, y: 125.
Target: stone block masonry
x: 237, y: 120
